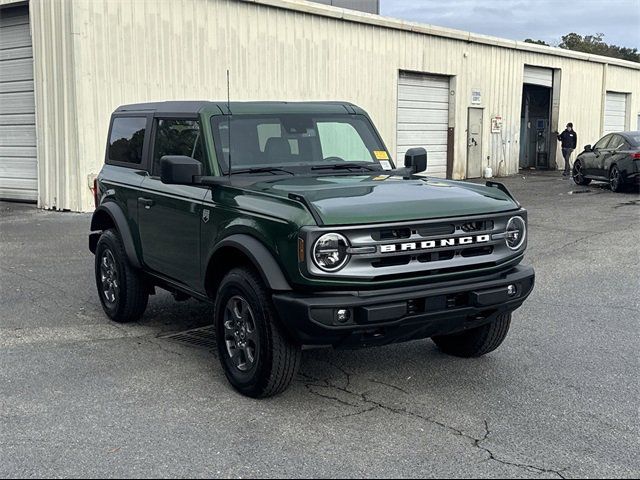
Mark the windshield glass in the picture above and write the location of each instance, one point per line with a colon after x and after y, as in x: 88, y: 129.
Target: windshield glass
x: 295, y: 140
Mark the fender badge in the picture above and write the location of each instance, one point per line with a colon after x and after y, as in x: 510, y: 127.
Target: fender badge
x: 205, y: 215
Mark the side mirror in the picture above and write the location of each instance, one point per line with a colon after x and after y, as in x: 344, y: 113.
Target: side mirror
x: 179, y: 169
x: 587, y: 148
x: 416, y: 159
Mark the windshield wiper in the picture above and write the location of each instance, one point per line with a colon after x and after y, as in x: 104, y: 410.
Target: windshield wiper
x: 261, y: 170
x: 344, y: 166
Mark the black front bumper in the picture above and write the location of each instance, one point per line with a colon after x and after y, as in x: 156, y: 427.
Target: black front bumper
x: 395, y: 315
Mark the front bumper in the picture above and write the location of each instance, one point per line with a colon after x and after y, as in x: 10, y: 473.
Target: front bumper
x: 395, y: 315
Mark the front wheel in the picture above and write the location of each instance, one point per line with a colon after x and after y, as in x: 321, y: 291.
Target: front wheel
x: 578, y: 174
x: 477, y: 341
x: 615, y: 179
x: 258, y: 358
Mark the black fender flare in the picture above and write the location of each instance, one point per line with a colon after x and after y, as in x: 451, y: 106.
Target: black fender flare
x: 260, y: 256
x: 119, y: 220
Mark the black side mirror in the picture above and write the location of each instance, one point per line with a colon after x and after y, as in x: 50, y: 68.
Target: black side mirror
x: 179, y: 169
x: 587, y: 148
x: 416, y: 159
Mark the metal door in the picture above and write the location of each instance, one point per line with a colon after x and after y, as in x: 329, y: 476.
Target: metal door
x: 474, y: 143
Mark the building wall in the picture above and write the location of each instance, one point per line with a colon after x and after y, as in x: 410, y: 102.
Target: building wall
x: 93, y: 55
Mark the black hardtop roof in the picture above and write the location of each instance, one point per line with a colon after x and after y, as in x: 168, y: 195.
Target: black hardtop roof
x: 195, y: 107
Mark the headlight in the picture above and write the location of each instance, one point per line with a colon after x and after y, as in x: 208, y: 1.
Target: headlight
x: 330, y: 252
x: 516, y: 233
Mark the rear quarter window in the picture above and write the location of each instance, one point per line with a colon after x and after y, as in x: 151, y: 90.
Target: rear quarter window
x: 127, y: 140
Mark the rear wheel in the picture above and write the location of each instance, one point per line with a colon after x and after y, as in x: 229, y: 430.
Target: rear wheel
x: 615, y: 179
x: 257, y: 356
x: 578, y: 174
x: 122, y: 290
x: 477, y: 341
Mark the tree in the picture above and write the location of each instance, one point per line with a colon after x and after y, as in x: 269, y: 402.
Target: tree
x: 536, y: 42
x: 593, y: 44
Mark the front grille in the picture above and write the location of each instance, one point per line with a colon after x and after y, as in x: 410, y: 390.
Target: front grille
x: 421, y: 249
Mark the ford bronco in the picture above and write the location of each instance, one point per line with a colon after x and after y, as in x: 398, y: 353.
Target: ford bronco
x: 294, y: 222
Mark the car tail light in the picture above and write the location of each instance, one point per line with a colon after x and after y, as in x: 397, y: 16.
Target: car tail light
x: 636, y: 156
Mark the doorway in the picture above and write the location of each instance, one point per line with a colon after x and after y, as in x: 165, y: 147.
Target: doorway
x: 474, y: 143
x: 535, y: 127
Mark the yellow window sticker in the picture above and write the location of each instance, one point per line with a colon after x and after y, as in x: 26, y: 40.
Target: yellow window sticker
x: 381, y: 155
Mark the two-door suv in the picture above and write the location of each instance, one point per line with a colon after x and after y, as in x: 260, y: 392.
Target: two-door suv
x: 292, y: 219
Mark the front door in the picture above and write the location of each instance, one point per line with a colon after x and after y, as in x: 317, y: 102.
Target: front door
x: 474, y: 143
x: 170, y: 216
x: 595, y: 159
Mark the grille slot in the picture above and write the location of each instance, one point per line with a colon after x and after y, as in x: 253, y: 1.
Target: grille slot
x: 477, y: 226
x: 391, y: 234
x: 477, y: 251
x: 436, y: 230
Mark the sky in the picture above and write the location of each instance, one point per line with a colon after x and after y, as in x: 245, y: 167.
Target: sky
x: 546, y: 20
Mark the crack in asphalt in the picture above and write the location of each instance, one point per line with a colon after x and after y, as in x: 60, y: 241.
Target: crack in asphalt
x: 311, y: 383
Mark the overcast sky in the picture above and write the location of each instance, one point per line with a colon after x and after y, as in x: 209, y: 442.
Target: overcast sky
x: 545, y: 20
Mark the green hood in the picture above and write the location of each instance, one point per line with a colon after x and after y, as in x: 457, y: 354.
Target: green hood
x: 360, y: 199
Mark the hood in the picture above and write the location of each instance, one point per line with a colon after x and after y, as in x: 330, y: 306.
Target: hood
x: 361, y: 199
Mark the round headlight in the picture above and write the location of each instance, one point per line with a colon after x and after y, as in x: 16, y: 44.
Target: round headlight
x: 516, y: 232
x: 330, y: 252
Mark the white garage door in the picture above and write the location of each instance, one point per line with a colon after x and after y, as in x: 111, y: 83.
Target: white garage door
x: 18, y: 167
x: 423, y: 119
x: 538, y: 76
x: 615, y: 112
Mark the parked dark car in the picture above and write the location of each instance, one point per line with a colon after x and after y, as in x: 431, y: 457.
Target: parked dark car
x: 615, y: 159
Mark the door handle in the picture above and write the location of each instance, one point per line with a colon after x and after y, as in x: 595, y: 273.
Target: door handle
x: 147, y: 202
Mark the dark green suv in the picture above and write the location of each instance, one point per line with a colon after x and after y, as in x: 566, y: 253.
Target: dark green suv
x: 293, y: 221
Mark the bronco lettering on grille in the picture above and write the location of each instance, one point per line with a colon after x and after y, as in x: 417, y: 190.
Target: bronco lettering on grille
x: 428, y: 244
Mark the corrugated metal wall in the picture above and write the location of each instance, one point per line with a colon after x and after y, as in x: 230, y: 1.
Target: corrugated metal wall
x: 93, y: 55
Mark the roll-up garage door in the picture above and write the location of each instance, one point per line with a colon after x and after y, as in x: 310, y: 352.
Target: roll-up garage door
x: 18, y: 165
x: 615, y: 112
x: 423, y: 119
x: 538, y: 76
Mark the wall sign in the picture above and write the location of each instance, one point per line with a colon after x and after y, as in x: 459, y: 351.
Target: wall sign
x: 496, y: 124
x: 476, y: 96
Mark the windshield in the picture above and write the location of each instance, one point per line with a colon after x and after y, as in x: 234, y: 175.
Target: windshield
x: 295, y: 140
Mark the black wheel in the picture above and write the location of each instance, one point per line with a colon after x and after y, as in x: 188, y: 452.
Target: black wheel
x: 258, y: 358
x: 122, y: 291
x: 477, y: 341
x: 578, y: 174
x: 615, y: 179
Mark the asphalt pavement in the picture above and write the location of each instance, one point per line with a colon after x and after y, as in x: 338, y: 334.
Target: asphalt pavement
x: 83, y: 397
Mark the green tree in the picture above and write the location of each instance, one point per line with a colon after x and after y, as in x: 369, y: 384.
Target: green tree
x: 593, y: 44
x: 537, y: 42
x: 596, y: 45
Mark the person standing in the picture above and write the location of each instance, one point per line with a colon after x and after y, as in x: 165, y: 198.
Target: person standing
x: 569, y: 139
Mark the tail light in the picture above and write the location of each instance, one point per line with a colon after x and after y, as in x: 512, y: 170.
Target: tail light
x: 636, y: 156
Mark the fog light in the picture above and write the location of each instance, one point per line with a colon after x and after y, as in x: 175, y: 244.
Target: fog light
x: 512, y: 290
x: 343, y: 315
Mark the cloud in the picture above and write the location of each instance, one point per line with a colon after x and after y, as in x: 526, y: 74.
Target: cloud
x: 546, y: 20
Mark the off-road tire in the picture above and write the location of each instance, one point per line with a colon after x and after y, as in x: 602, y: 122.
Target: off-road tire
x: 477, y: 341
x: 276, y: 356
x: 132, y: 291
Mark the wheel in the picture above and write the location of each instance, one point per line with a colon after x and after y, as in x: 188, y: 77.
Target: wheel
x: 477, y: 341
x: 578, y: 174
x: 615, y: 179
x: 122, y: 291
x: 258, y: 358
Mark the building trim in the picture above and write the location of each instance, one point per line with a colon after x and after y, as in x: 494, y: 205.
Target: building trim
x: 425, y: 29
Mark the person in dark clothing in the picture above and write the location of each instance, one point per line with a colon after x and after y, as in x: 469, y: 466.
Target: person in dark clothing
x: 569, y: 139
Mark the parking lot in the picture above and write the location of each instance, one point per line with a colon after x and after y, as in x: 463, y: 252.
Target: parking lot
x: 83, y: 397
